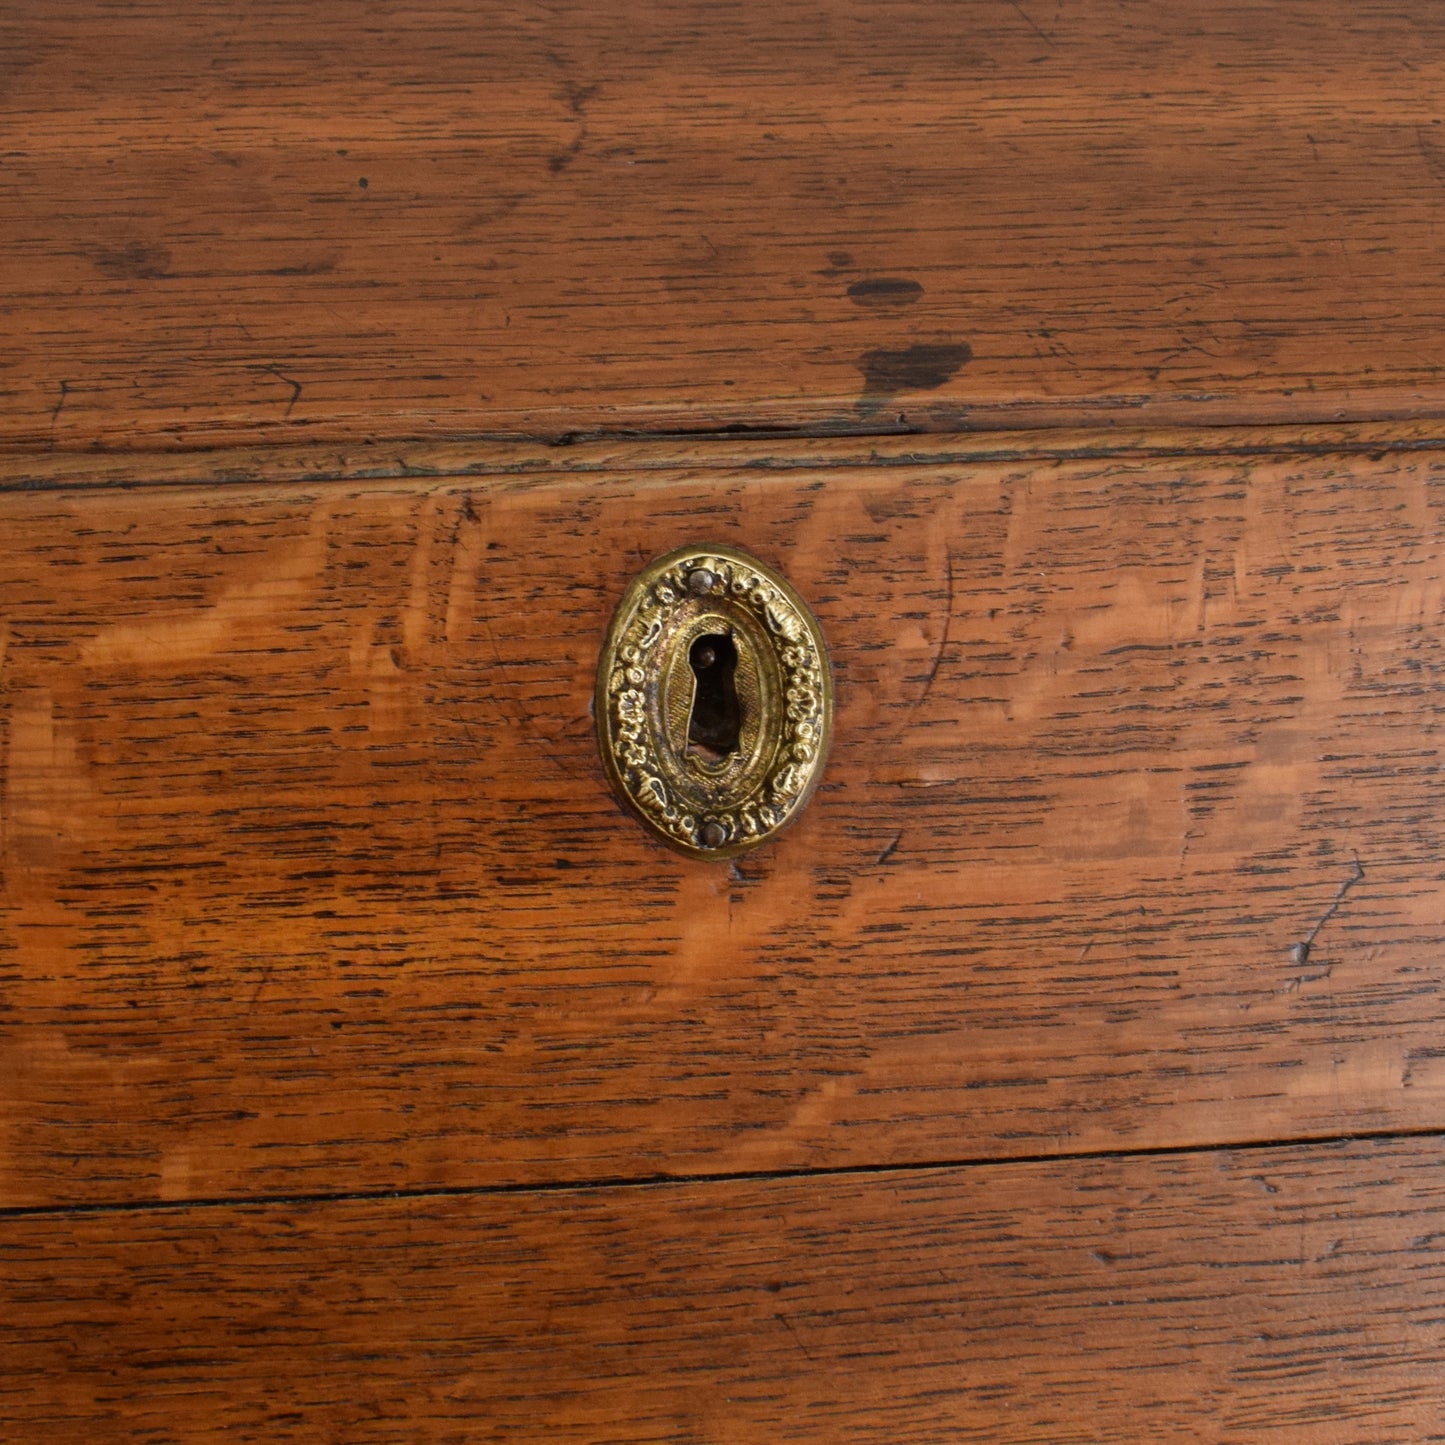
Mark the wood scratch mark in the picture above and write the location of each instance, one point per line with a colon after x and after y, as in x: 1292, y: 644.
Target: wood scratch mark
x: 892, y: 848
x: 290, y: 381
x: 1024, y: 16
x: 943, y: 641
x: 1300, y: 953
x: 787, y: 1324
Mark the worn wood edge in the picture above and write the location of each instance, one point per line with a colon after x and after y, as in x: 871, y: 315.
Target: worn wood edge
x: 821, y: 417
x: 418, y: 460
x: 1290, y: 1293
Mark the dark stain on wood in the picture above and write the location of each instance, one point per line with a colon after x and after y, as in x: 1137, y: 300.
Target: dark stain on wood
x: 922, y: 367
x: 885, y: 293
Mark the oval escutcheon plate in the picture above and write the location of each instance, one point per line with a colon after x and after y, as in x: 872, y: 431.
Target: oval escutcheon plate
x: 714, y: 701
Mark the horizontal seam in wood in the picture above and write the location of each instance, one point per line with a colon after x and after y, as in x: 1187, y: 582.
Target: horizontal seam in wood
x: 242, y: 467
x: 741, y: 1176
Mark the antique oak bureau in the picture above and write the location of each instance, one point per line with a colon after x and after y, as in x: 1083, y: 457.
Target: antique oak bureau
x: 1070, y: 1069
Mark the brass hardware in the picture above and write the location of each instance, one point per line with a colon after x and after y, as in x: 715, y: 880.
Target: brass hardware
x: 714, y: 701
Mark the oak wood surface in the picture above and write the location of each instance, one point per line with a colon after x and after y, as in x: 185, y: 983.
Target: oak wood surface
x: 1284, y: 1294
x: 310, y: 888
x: 1130, y: 836
x: 223, y: 223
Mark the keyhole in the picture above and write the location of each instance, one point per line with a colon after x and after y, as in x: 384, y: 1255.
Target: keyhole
x: 717, y: 717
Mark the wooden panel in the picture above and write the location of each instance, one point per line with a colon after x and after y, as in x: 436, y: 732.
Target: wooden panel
x: 1289, y: 1294
x: 1131, y: 833
x: 351, y: 218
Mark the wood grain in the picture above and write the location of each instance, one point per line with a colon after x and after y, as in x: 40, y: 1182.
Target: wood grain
x: 1130, y: 837
x: 1291, y: 1294
x: 354, y: 219
x: 479, y: 461
x: 355, y: 1047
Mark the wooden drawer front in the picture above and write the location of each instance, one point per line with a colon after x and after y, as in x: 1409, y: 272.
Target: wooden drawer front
x: 1130, y: 836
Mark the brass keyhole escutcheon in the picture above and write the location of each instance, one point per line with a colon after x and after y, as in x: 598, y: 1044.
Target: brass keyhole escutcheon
x: 714, y: 701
